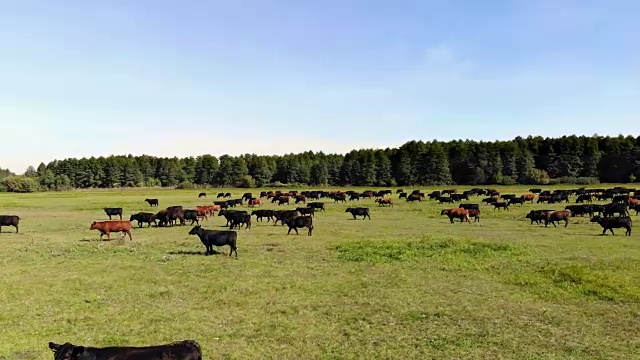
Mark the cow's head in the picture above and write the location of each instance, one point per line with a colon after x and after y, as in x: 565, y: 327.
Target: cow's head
x: 132, y: 217
x: 195, y: 230
x: 93, y: 226
x: 595, y: 219
x: 348, y: 210
x: 66, y: 351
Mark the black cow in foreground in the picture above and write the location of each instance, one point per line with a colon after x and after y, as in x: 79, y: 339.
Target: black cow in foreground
x: 211, y: 238
x: 152, y: 202
x: 182, y: 350
x: 300, y: 222
x: 113, y: 212
x: 9, y: 220
x: 613, y: 222
x: 143, y: 217
x: 364, y: 212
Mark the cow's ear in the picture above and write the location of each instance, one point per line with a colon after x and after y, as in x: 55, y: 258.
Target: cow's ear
x: 54, y: 347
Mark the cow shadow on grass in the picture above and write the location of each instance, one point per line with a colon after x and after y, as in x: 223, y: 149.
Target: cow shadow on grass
x: 191, y: 252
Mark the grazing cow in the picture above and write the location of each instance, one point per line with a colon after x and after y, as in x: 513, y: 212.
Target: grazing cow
x: 316, y: 205
x: 489, y: 200
x: 364, y: 212
x: 474, y: 213
x: 9, y: 220
x: 301, y: 199
x: 469, y: 206
x: 557, y: 216
x: 399, y: 191
x: 414, y: 197
x: 220, y: 195
x: 402, y: 195
x: 354, y: 196
x: 613, y: 222
x: 211, y: 238
x: 239, y: 219
x: 165, y: 218
x: 253, y: 202
x: 456, y: 213
x: 113, y: 212
x: 263, y: 214
x: 227, y: 195
x: 182, y: 350
x: 297, y: 222
x: 247, y: 196
x: 202, y: 194
x: 432, y: 195
x: 544, y: 199
x: 500, y: 205
x: 283, y: 200
x: 306, y: 211
x: 229, y: 215
x: 527, y: 197
x: 535, y: 191
x: 143, y: 217
x: 515, y: 201
x: 384, y: 202
x: 612, y: 209
x: 537, y: 215
x: 284, y: 215
x: 263, y: 194
x: 584, y: 198
x: 152, y: 202
x: 107, y: 227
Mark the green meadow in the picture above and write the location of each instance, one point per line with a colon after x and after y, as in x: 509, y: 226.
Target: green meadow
x: 405, y: 285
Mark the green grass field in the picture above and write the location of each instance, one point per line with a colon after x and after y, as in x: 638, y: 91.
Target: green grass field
x: 405, y: 285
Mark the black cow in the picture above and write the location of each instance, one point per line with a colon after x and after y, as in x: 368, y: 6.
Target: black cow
x: 247, y: 196
x: 354, y: 197
x: 612, y: 209
x: 191, y: 215
x: 238, y: 219
x: 220, y: 195
x: 620, y: 199
x: 364, y: 212
x: 263, y: 214
x: 340, y: 197
x: 535, y: 191
x: 9, y: 220
x: 469, y: 206
x: 306, y: 211
x: 489, y: 200
x: 284, y: 215
x: 231, y: 214
x: 500, y: 205
x: 579, y: 210
x: 227, y: 195
x: 445, y: 199
x: 584, y: 198
x: 508, y: 196
x: 300, y: 222
x: 202, y: 194
x: 182, y: 350
x: 597, y: 209
x: 152, y: 202
x: 283, y: 200
x: 211, y: 238
x: 537, y: 215
x: 516, y: 201
x: 402, y: 195
x: 143, y: 217
x: 414, y: 197
x: 316, y: 205
x: 613, y: 222
x: 113, y: 212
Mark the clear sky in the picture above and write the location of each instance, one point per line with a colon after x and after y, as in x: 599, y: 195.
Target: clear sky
x: 89, y: 78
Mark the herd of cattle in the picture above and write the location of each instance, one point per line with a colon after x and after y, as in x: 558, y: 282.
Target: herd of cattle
x: 611, y: 215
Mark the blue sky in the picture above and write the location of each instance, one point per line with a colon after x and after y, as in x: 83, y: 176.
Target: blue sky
x: 90, y: 78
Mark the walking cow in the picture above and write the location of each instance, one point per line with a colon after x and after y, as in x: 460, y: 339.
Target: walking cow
x: 211, y: 238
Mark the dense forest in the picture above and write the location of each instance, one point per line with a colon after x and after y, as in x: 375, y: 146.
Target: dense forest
x: 534, y: 160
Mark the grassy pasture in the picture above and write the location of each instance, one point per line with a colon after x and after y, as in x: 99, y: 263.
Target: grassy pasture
x: 405, y: 285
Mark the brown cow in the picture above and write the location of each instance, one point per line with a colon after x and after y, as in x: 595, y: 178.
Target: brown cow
x: 456, y: 213
x: 254, y: 202
x: 107, y: 227
x: 384, y: 202
x: 528, y: 197
x: 633, y: 202
x: 557, y: 216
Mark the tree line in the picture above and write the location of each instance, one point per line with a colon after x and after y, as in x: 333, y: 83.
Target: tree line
x: 532, y: 160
